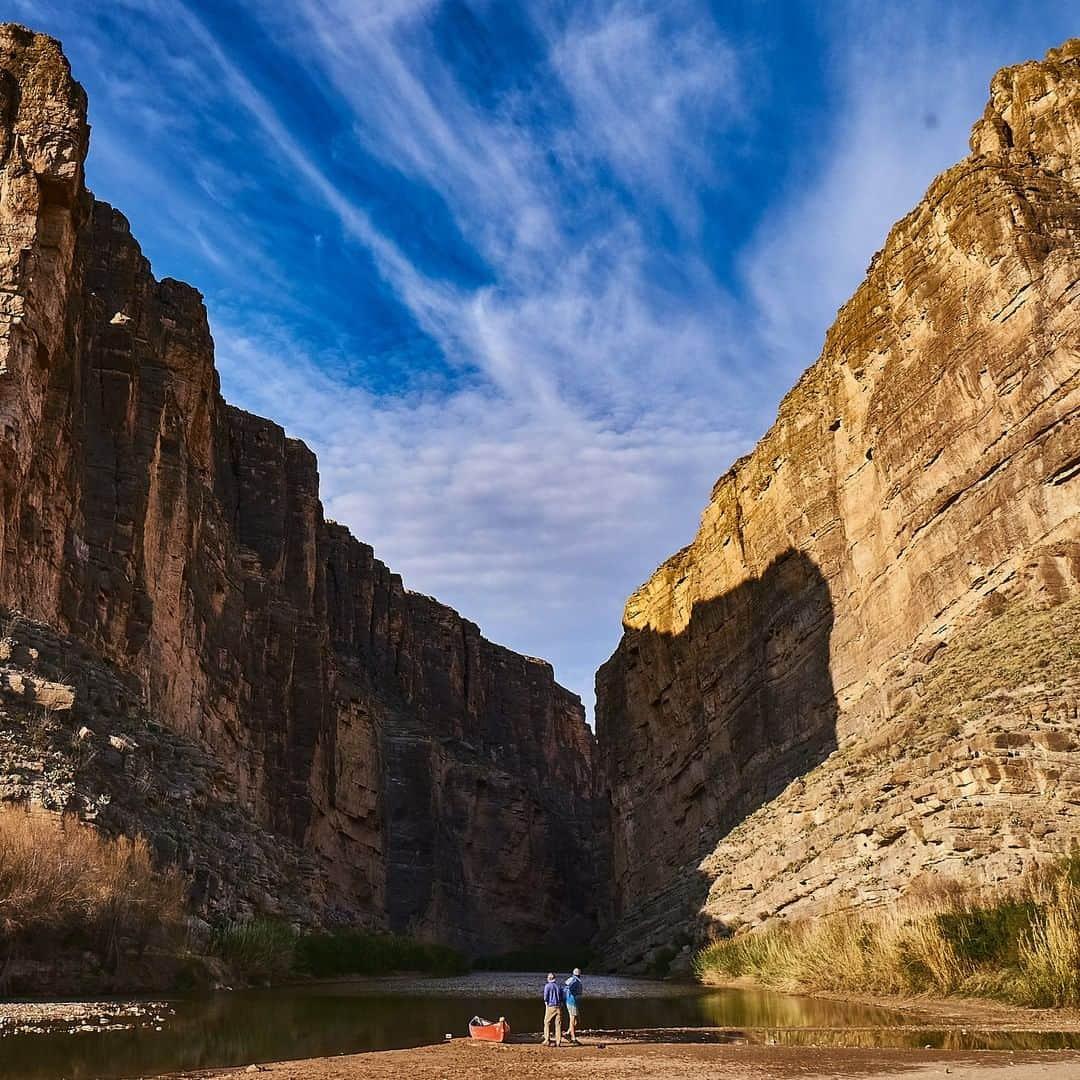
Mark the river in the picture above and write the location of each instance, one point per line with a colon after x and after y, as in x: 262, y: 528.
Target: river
x: 322, y: 1019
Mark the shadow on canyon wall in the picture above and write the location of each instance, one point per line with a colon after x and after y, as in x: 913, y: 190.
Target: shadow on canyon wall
x: 700, y: 728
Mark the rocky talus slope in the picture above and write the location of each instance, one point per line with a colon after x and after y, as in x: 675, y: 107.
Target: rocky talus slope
x: 75, y: 738
x: 786, y: 726
x: 440, y: 785
x: 976, y: 775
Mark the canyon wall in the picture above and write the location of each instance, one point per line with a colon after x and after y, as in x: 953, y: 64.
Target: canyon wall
x: 442, y: 785
x: 917, y: 500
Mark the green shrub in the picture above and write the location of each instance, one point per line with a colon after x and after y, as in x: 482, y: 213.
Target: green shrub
x: 269, y: 949
x: 1023, y: 946
x: 262, y: 949
x: 660, y: 964
x: 988, y: 935
x: 360, y: 952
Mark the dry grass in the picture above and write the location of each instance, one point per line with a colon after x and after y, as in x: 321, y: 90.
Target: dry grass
x: 62, y: 882
x: 1050, y: 951
x: 1022, y: 946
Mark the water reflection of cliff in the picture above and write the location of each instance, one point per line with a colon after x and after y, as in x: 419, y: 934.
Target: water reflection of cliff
x: 919, y: 1039
x: 766, y: 1009
x: 328, y: 1019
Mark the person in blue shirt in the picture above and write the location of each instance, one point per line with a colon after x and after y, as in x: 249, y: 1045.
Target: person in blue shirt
x: 574, y: 990
x: 553, y: 1000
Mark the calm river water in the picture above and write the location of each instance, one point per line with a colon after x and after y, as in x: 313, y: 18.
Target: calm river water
x: 242, y: 1027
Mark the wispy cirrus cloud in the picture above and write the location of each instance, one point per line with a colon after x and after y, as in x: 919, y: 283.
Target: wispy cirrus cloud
x: 654, y: 89
x: 908, y: 84
x: 523, y: 497
x: 527, y: 277
x: 575, y: 283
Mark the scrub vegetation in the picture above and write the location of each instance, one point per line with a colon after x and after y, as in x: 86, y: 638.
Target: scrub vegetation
x: 1022, y: 947
x: 359, y: 952
x: 64, y: 888
x: 67, y: 891
x: 271, y: 950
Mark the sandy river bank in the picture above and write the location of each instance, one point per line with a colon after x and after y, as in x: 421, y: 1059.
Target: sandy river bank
x: 465, y: 1060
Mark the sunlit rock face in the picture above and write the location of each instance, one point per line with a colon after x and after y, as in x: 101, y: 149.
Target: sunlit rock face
x: 921, y: 486
x: 442, y: 784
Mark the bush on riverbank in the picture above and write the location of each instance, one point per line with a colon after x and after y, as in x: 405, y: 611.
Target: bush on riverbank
x: 360, y: 952
x: 269, y: 950
x: 262, y: 950
x: 1022, y: 946
x: 64, y: 886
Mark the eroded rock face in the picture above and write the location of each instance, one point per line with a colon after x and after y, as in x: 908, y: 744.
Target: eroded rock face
x: 923, y: 476
x: 443, y: 784
x: 75, y: 738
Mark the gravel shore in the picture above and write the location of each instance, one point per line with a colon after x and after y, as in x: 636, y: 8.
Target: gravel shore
x: 466, y: 1060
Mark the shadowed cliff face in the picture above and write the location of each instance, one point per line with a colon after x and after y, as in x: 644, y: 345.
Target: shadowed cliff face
x: 441, y: 784
x: 699, y: 726
x: 925, y: 467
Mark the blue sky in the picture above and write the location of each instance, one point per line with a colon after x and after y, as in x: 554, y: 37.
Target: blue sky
x: 526, y: 276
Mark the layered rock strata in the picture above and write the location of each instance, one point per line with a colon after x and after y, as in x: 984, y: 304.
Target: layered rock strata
x: 922, y: 478
x: 975, y: 778
x: 442, y: 784
x: 75, y: 738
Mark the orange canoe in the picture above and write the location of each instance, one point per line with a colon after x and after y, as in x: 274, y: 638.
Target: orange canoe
x: 486, y: 1030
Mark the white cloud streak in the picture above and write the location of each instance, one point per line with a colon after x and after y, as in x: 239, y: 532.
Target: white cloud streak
x: 537, y: 500
x: 607, y: 379
x: 909, y: 83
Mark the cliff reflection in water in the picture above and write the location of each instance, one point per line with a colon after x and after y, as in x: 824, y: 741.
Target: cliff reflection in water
x: 762, y: 1009
x: 381, y: 1014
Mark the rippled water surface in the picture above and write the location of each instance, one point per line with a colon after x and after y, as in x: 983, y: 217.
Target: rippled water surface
x: 391, y: 1013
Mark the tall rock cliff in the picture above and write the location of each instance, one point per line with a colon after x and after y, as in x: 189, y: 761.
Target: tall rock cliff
x: 443, y: 784
x: 867, y: 660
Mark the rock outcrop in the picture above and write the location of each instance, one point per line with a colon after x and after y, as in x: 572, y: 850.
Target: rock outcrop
x: 919, y: 489
x: 441, y: 784
x: 75, y: 738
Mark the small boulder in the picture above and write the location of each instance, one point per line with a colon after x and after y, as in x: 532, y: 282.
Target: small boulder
x: 55, y: 697
x: 925, y: 653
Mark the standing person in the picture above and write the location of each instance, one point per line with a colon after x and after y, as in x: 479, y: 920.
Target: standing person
x: 574, y: 990
x: 553, y: 999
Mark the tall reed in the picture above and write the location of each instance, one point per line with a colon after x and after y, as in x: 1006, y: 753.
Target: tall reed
x: 262, y: 949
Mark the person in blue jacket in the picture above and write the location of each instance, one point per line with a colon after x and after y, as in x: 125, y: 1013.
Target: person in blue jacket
x: 574, y: 990
x: 553, y: 1001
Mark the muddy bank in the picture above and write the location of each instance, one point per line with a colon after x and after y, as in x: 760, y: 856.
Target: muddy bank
x: 670, y: 1061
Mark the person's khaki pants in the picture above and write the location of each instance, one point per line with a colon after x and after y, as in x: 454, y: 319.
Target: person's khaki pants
x: 553, y: 1012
